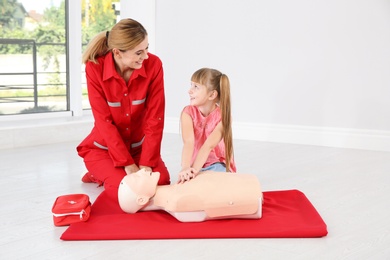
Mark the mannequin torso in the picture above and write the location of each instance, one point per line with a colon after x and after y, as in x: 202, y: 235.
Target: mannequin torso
x: 211, y: 195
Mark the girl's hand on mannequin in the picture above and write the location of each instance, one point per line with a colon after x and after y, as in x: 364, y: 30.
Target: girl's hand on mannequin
x: 186, y: 175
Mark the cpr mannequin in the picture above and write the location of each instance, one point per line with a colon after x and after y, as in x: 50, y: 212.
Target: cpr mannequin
x: 211, y: 195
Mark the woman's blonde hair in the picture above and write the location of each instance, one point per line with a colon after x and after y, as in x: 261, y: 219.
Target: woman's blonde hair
x: 215, y: 80
x: 125, y: 35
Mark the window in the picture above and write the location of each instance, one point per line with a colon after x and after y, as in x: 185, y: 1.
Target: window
x: 33, y: 52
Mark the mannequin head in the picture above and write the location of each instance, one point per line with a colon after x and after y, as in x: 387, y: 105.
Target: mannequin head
x: 136, y: 189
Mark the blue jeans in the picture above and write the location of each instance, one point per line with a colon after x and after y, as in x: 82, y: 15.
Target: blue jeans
x: 217, y: 167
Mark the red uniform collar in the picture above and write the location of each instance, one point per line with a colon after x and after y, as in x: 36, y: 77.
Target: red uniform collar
x: 110, y: 71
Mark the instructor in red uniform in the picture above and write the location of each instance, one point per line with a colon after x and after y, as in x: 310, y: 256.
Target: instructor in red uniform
x: 126, y: 92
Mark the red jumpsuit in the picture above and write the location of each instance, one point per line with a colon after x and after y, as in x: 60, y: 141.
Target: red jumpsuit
x: 129, y: 121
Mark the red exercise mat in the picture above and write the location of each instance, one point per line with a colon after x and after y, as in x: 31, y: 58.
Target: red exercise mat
x: 286, y: 214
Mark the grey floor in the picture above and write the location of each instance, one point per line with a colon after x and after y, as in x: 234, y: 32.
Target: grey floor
x: 349, y: 188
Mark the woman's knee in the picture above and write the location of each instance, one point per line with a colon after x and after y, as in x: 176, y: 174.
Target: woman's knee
x: 105, y: 171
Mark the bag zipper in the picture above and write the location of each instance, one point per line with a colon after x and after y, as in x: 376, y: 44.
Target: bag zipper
x: 81, y: 213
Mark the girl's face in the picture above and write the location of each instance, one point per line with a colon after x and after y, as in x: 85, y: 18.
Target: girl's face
x: 134, y: 58
x: 199, y: 94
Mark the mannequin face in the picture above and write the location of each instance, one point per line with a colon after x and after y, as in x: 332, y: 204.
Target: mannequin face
x: 136, y: 189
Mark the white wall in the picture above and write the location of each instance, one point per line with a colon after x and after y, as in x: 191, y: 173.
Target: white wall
x: 303, y: 71
x: 144, y: 12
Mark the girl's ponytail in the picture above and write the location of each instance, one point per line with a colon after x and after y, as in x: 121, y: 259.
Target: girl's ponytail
x: 226, y: 114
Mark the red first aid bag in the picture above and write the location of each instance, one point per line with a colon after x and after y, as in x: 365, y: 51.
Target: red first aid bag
x: 71, y: 208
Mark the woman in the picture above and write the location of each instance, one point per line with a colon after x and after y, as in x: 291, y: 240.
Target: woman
x: 126, y: 93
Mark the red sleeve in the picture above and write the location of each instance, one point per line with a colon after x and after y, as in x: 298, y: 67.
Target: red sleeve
x: 154, y: 119
x: 103, y: 118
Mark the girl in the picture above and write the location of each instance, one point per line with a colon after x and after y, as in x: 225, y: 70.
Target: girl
x: 206, y: 126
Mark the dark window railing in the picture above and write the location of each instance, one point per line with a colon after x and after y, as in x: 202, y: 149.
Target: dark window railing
x: 33, y: 73
x: 32, y: 83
